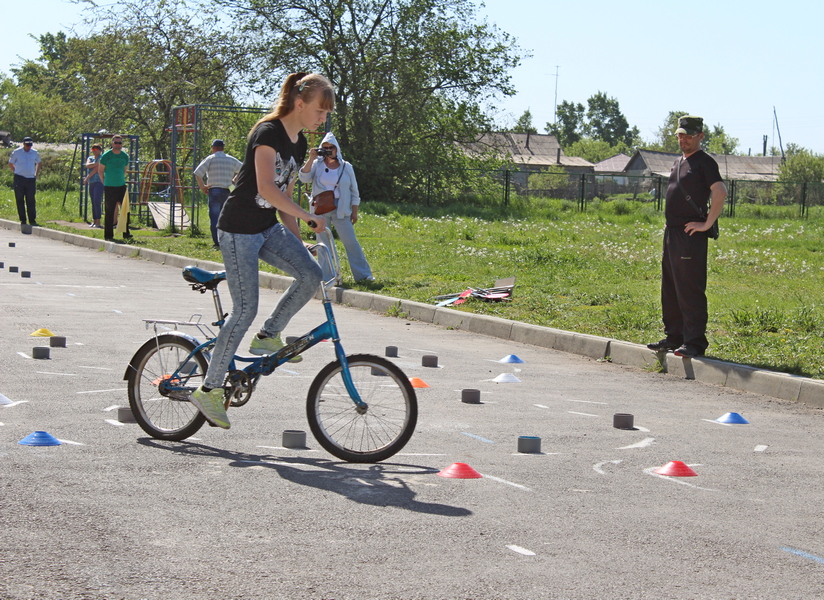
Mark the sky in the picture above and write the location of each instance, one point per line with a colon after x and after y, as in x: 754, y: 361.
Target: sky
x: 736, y: 64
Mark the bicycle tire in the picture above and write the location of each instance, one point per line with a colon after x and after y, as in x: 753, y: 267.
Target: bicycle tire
x: 165, y: 416
x: 382, y: 430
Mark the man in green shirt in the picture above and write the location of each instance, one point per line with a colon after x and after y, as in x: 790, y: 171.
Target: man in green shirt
x: 112, y: 170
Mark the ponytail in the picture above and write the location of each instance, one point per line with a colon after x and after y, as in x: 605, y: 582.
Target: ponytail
x: 306, y: 86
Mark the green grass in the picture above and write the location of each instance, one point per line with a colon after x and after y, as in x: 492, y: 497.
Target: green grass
x: 596, y: 272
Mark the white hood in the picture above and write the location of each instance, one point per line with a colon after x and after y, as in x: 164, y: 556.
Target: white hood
x: 330, y: 138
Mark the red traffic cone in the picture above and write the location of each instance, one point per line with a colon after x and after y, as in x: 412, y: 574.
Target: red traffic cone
x: 417, y: 382
x: 460, y: 471
x: 676, y: 468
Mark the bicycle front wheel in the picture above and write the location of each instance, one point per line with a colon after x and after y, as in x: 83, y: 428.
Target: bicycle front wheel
x: 360, y: 436
x: 159, y: 399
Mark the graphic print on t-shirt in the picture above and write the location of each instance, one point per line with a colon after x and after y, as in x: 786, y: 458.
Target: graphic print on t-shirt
x: 283, y: 175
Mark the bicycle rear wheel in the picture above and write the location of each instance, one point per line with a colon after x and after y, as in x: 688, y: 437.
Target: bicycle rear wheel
x: 162, y: 413
x: 362, y: 436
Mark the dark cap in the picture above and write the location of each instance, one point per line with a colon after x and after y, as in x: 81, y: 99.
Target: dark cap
x: 690, y: 125
x: 28, y: 140
x: 217, y: 143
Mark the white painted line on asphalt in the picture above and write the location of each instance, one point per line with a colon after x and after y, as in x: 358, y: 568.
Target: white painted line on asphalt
x: 642, y: 444
x: 540, y: 406
x: 14, y: 403
x: 520, y: 550
x: 717, y: 423
x: 282, y: 448
x: 417, y: 454
x: 117, y: 423
x: 102, y: 391
x: 650, y: 471
x: 644, y: 429
x: 504, y: 481
x: 108, y: 408
x: 24, y: 355
x: 71, y: 442
x: 99, y: 368
x: 52, y: 373
x: 802, y: 554
x: 477, y: 437
x: 760, y: 448
x: 1, y: 424
x: 572, y: 412
x: 119, y: 312
x: 586, y: 401
x: 598, y: 467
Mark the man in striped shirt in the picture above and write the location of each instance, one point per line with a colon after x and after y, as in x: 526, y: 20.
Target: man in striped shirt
x: 220, y: 170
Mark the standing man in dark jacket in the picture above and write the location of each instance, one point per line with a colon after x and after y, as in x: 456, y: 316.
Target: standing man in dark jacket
x: 684, y: 262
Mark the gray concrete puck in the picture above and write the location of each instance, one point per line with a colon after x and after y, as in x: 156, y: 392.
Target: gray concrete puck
x: 429, y: 360
x: 57, y: 341
x: 529, y: 444
x: 25, y: 273
x: 622, y: 421
x: 40, y: 352
x: 25, y: 228
x: 293, y: 438
x: 125, y: 415
x: 392, y: 351
x: 13, y: 269
x: 470, y: 396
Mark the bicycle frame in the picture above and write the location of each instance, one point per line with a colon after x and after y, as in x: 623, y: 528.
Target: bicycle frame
x: 265, y: 365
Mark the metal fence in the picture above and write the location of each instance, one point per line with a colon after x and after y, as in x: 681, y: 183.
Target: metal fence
x: 504, y: 185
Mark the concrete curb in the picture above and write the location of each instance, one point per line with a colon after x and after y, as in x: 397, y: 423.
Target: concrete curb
x: 742, y: 377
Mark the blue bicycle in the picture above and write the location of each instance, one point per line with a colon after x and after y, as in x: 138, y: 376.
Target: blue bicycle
x: 361, y: 408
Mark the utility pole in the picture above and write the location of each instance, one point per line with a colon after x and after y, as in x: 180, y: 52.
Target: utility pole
x: 556, y: 97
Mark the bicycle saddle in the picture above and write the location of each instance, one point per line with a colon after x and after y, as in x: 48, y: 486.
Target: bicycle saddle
x: 194, y: 274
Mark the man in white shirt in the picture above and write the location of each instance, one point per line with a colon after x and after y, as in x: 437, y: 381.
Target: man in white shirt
x: 25, y: 163
x: 219, y: 169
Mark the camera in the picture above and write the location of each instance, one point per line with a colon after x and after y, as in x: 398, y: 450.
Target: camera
x: 324, y: 152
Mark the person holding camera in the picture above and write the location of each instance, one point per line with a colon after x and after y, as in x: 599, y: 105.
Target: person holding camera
x: 327, y: 171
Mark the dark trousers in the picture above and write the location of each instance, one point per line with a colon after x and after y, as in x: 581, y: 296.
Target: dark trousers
x: 24, y: 190
x: 217, y: 198
x: 684, y: 286
x: 113, y: 196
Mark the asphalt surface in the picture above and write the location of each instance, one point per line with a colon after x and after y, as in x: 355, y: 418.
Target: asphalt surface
x: 112, y: 513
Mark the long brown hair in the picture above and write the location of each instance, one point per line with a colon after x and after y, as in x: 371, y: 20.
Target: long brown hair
x: 306, y: 86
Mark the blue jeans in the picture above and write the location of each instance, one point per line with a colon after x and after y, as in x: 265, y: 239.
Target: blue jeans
x: 354, y: 253
x: 96, y: 195
x: 217, y: 198
x: 278, y: 247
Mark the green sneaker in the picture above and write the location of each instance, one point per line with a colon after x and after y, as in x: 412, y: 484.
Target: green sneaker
x: 270, y: 345
x: 210, y: 404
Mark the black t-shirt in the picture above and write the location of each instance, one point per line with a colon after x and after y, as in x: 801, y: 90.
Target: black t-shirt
x: 698, y: 172
x: 245, y: 210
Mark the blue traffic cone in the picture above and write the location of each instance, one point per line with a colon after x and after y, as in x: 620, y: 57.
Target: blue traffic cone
x: 733, y: 419
x: 40, y: 438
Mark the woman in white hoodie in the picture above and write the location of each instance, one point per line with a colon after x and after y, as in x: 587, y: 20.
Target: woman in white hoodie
x: 331, y: 172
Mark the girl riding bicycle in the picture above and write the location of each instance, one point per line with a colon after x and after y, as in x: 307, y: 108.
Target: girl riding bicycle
x: 249, y: 230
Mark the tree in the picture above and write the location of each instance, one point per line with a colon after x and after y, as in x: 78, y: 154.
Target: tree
x: 595, y: 150
x: 570, y: 123
x: 606, y: 122
x: 410, y: 76
x: 666, y: 139
x: 142, y: 59
x: 524, y: 123
x: 801, y: 166
x: 717, y: 141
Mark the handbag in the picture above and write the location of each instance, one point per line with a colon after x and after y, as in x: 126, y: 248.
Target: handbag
x: 325, y: 201
x: 713, y: 232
